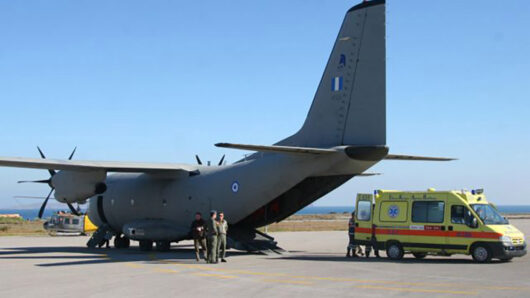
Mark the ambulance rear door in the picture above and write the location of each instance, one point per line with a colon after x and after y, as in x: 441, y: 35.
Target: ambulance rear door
x: 363, y: 218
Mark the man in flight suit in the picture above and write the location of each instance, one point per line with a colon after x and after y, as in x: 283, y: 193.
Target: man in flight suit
x: 221, y: 239
x: 198, y: 231
x: 213, y: 231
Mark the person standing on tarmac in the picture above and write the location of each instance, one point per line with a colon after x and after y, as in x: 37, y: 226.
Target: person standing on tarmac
x: 373, y: 241
x: 221, y: 239
x: 213, y: 232
x: 198, y: 232
x: 350, y: 252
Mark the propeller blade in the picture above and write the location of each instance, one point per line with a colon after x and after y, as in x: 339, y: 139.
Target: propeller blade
x: 198, y: 159
x: 72, y: 155
x: 28, y: 197
x: 72, y: 208
x: 34, y: 181
x: 41, y: 211
x: 52, y: 172
x: 221, y: 161
x: 41, y: 154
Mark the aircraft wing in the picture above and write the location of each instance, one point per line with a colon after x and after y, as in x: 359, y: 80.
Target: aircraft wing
x: 275, y: 148
x: 414, y: 157
x: 108, y: 166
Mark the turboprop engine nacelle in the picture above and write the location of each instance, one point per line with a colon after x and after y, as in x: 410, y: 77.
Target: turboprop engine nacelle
x: 75, y: 186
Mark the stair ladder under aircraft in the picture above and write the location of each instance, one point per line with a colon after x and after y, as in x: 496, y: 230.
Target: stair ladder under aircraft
x: 99, y: 236
x: 254, y: 241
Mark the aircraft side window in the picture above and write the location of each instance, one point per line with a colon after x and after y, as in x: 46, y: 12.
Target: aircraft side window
x: 66, y: 221
x: 364, y: 211
x: 428, y: 212
x: 458, y: 214
x: 75, y: 221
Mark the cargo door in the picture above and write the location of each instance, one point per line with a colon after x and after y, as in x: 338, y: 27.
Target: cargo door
x: 363, y: 218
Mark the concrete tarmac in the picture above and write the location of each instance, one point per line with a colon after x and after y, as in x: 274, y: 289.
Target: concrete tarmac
x: 314, y: 266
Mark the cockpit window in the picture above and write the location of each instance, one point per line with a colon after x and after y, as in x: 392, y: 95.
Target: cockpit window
x: 489, y: 215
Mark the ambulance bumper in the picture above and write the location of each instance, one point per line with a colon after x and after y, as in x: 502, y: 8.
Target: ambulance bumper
x: 503, y: 252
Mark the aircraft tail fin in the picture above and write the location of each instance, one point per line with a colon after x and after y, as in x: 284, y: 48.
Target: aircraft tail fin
x: 349, y: 104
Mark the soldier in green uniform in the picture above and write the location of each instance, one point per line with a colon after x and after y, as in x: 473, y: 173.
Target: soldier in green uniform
x: 221, y: 239
x: 198, y: 232
x: 213, y: 231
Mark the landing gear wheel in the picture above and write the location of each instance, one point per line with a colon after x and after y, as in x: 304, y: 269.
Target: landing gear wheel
x: 394, y: 251
x: 163, y: 245
x: 419, y: 255
x: 146, y: 245
x: 121, y: 241
x: 481, y: 253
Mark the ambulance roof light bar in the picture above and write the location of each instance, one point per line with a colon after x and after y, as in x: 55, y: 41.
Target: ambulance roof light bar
x: 477, y: 191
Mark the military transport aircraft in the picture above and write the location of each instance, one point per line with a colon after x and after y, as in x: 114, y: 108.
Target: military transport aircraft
x: 344, y: 135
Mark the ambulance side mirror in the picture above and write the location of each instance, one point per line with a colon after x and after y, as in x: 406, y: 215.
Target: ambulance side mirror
x: 474, y: 223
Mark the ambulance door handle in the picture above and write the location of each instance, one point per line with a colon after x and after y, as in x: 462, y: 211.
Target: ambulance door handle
x: 443, y: 228
x: 450, y: 228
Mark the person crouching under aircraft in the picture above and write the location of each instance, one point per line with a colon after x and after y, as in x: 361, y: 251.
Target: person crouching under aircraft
x: 198, y: 232
x: 221, y: 238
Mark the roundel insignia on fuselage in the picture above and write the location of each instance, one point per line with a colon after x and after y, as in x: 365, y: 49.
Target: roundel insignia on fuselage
x: 235, y: 186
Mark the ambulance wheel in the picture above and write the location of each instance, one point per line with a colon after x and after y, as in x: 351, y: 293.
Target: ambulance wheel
x: 394, y: 251
x: 163, y: 245
x: 481, y: 253
x: 146, y: 245
x: 419, y: 255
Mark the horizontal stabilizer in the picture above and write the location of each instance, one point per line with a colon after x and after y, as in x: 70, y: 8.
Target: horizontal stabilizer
x: 279, y: 149
x: 420, y: 158
x: 368, y: 174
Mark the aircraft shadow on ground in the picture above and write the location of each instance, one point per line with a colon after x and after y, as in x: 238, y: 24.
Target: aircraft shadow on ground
x: 86, y: 256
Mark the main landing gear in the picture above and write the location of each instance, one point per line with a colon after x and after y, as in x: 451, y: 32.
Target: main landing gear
x: 120, y: 241
x: 147, y: 245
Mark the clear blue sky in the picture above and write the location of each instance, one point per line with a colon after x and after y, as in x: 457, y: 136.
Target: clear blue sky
x: 163, y: 80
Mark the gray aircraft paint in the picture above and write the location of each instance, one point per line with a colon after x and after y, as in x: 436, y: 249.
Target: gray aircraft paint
x: 356, y: 115
x: 353, y: 115
x: 344, y: 135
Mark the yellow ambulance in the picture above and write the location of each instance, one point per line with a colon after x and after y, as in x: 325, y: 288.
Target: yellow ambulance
x: 436, y: 222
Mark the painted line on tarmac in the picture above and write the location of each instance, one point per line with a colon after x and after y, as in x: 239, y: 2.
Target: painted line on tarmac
x: 293, y: 282
x: 204, y: 267
x: 416, y: 290
x: 339, y: 279
x: 165, y: 270
x: 215, y: 275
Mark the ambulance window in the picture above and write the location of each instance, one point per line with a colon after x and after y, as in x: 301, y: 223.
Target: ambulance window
x: 429, y: 212
x: 458, y: 214
x: 364, y: 210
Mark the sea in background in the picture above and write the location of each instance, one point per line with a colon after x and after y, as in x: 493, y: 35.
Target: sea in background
x: 507, y: 209
x: 32, y: 213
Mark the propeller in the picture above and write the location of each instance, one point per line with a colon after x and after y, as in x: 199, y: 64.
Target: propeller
x: 199, y: 161
x: 221, y: 161
x: 49, y: 182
